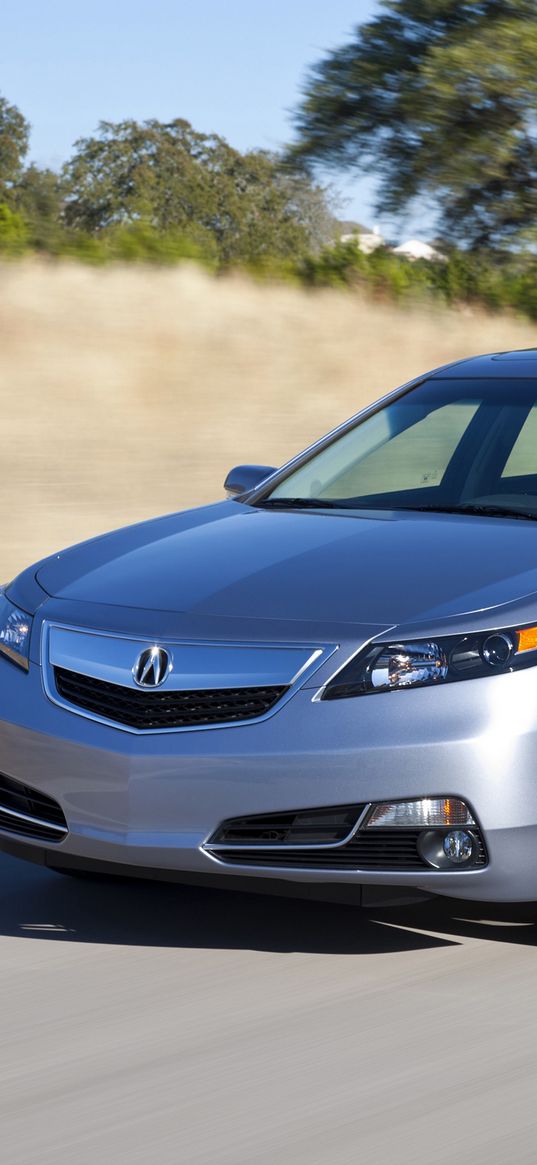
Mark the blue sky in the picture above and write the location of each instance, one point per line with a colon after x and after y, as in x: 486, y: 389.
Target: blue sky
x: 230, y: 66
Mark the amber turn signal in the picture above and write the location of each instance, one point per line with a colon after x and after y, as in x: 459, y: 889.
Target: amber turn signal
x: 527, y: 639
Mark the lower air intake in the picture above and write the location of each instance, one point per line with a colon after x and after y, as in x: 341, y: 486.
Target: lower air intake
x: 29, y: 813
x: 321, y: 839
x: 299, y: 827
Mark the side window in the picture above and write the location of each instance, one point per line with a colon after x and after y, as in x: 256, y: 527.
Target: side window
x: 522, y: 461
x: 417, y: 458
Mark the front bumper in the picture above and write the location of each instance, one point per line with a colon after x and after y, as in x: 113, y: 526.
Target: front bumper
x: 151, y: 803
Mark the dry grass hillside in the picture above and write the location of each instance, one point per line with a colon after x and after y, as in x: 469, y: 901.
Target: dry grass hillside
x: 130, y: 392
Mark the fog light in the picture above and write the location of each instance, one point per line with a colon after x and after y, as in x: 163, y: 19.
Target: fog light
x: 498, y: 649
x: 425, y: 812
x: 458, y: 846
x: 451, y: 849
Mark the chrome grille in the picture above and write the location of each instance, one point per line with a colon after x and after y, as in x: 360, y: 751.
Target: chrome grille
x: 147, y: 710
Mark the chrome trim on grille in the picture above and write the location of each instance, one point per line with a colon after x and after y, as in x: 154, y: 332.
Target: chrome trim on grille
x: 384, y: 853
x: 114, y: 656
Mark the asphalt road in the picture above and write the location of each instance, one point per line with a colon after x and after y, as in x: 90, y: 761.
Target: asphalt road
x: 157, y: 1024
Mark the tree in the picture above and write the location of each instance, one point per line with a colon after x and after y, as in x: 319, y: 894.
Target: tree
x: 130, y: 171
x: 14, y: 137
x: 38, y: 198
x: 439, y: 97
x: 174, y: 178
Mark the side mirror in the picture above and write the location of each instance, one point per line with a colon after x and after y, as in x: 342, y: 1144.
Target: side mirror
x: 243, y: 478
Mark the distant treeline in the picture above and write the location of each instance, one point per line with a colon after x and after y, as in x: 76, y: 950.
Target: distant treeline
x: 495, y: 283
x: 161, y: 193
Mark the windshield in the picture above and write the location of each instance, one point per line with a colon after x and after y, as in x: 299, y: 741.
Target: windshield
x: 447, y: 444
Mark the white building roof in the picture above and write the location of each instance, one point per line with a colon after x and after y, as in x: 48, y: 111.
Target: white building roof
x: 415, y: 249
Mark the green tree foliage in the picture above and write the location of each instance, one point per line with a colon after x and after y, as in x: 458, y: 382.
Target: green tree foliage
x: 14, y: 136
x: 38, y: 198
x: 163, y: 193
x: 439, y: 97
x: 13, y: 232
x: 173, y: 178
x: 495, y: 282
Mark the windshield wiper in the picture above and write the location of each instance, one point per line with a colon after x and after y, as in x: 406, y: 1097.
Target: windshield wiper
x: 474, y: 508
x: 302, y: 504
x: 486, y: 511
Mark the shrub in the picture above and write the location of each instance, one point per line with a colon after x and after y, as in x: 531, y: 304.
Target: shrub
x: 13, y: 232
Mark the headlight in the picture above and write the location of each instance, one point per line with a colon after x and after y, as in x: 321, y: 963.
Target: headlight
x: 15, y: 628
x: 389, y: 667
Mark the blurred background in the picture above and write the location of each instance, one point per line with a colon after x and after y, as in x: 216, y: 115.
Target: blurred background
x: 129, y: 392
x: 222, y: 233
x: 224, y: 228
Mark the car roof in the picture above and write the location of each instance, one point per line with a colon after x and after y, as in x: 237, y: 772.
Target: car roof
x: 520, y: 363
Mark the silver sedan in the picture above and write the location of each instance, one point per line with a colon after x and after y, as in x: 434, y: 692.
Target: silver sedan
x: 330, y: 677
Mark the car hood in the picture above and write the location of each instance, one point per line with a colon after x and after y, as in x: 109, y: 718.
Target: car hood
x: 231, y: 560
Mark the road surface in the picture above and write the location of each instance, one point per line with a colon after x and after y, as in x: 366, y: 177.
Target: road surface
x: 150, y: 1024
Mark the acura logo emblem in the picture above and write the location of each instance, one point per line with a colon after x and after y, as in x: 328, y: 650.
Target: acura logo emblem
x: 152, y: 667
